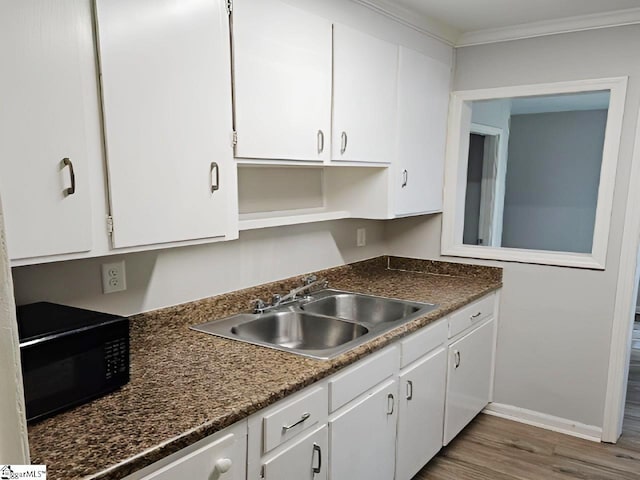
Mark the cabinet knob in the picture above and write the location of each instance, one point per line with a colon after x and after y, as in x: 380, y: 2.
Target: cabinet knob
x: 223, y: 465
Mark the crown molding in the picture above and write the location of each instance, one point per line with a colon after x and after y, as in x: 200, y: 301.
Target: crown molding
x: 551, y: 27
x: 421, y: 23
x: 453, y: 37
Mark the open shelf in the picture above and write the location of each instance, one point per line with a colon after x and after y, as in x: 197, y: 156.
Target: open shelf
x: 251, y: 221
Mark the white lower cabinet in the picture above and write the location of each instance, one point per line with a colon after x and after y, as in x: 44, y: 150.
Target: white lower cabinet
x: 421, y: 413
x: 362, y: 436
x: 468, y: 378
x: 302, y: 460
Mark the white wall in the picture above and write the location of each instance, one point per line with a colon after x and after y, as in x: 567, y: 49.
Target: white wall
x: 13, y: 431
x: 168, y: 277
x: 552, y: 181
x: 554, y: 336
x: 473, y: 195
x: 494, y: 113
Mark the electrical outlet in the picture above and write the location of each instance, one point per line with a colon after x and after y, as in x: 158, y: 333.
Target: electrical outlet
x: 114, y: 278
x: 361, y: 237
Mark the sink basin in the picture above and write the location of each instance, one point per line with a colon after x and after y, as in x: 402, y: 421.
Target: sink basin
x: 301, y: 331
x: 322, y: 326
x: 291, y: 330
x: 363, y: 308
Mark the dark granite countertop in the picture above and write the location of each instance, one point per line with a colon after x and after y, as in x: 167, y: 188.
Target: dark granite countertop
x: 186, y: 385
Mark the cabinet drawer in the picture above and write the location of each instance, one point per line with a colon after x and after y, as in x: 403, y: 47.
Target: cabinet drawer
x: 361, y: 377
x: 294, y: 417
x: 220, y: 456
x: 471, y: 314
x: 422, y: 342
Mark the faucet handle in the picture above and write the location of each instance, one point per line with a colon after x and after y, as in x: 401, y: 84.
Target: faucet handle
x: 276, y: 299
x: 309, y: 279
x: 258, y: 305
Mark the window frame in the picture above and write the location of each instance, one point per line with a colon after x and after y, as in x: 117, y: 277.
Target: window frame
x: 456, y: 173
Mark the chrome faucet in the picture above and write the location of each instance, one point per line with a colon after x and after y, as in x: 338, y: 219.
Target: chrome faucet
x: 309, y: 282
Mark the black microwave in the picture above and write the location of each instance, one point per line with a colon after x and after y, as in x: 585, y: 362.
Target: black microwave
x: 69, y: 356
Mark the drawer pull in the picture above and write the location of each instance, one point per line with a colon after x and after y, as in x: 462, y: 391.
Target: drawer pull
x: 473, y: 317
x: 405, y: 178
x: 304, y: 417
x: 456, y: 358
x: 391, y: 404
x: 409, y: 390
x: 316, y: 448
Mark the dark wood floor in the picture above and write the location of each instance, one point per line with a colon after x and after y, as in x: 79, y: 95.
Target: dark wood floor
x: 492, y: 448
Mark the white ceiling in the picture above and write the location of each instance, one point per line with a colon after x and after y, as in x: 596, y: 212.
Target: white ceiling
x: 471, y: 22
x: 472, y: 15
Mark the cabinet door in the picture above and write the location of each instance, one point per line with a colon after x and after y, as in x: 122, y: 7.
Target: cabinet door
x: 421, y: 413
x: 41, y: 124
x: 166, y: 86
x: 364, y: 97
x: 468, y: 378
x: 423, y: 101
x: 303, y: 460
x: 223, y: 459
x: 363, y: 435
x: 282, y: 79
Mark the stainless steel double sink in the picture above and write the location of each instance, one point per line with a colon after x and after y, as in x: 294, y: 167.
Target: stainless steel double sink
x: 321, y: 325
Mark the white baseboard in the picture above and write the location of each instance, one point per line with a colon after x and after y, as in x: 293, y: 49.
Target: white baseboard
x: 542, y: 420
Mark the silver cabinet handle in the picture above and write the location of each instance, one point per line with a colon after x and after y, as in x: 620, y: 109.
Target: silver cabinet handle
x: 456, y: 358
x: 304, y: 417
x: 316, y: 448
x: 215, y: 177
x: 343, y: 145
x: 320, y: 141
x: 405, y: 178
x: 475, y: 316
x: 409, y: 390
x: 72, y: 189
x: 390, y: 404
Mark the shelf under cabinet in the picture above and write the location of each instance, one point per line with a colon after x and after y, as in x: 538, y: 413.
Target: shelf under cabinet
x: 252, y: 221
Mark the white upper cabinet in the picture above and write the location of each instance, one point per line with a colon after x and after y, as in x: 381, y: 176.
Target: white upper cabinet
x: 282, y: 81
x: 165, y: 69
x: 45, y: 198
x: 364, y: 97
x: 423, y: 101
